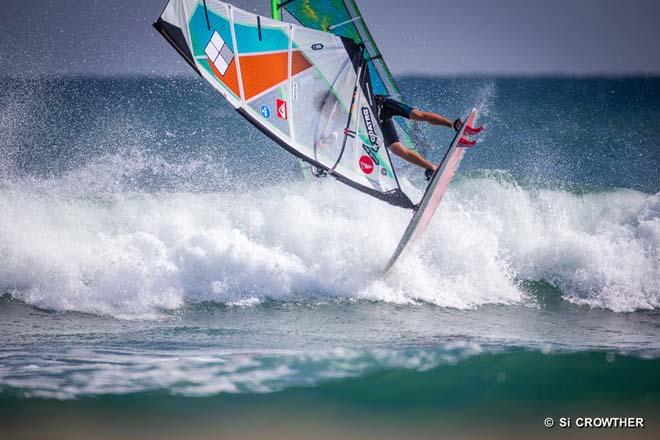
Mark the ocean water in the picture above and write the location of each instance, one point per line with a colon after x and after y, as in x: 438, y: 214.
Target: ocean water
x: 160, y: 257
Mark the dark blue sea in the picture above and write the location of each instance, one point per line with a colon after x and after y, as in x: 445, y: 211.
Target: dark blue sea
x: 166, y: 271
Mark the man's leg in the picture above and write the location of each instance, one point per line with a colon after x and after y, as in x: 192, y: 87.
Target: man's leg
x: 410, y: 156
x: 431, y: 118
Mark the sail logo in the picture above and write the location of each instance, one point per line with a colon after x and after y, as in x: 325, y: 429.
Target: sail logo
x: 369, y: 124
x: 281, y: 109
x: 294, y: 90
x: 219, y: 53
x: 372, y: 152
x: 366, y: 164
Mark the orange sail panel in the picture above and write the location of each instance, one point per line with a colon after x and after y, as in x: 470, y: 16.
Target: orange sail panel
x: 230, y: 78
x: 262, y: 72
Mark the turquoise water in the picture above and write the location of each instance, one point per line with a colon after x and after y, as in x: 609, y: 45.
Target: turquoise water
x: 157, y: 253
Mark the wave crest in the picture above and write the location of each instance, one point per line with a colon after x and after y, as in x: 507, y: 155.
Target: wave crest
x: 134, y: 254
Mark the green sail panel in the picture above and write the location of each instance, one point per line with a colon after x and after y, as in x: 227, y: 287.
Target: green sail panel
x: 343, y: 18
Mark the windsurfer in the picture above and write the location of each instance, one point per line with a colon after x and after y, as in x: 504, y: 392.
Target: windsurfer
x: 388, y: 108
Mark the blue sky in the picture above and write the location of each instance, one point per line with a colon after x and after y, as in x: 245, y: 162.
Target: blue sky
x: 520, y: 37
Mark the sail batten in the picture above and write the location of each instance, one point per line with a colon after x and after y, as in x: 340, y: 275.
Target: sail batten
x: 297, y: 85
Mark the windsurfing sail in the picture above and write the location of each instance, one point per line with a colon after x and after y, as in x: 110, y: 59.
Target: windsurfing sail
x: 343, y: 18
x: 310, y: 91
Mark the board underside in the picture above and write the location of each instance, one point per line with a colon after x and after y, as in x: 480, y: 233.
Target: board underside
x: 432, y: 197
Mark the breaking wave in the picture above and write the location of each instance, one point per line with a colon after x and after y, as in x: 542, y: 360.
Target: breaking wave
x: 69, y: 245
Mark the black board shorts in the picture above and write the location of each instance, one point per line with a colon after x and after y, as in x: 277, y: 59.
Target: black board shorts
x: 388, y: 108
x: 390, y: 134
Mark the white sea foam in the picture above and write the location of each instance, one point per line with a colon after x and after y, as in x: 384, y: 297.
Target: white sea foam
x: 134, y: 254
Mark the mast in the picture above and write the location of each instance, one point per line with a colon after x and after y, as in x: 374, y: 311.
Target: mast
x: 275, y: 10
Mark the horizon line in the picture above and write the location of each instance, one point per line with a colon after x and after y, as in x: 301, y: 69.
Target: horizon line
x: 466, y: 75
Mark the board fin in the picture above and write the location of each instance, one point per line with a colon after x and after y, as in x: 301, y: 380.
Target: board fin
x: 471, y: 131
x: 465, y: 142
